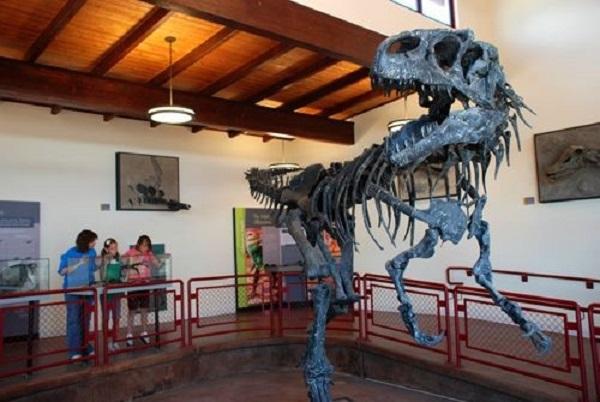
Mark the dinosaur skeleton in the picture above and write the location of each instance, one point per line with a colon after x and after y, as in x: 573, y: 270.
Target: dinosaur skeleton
x: 442, y: 66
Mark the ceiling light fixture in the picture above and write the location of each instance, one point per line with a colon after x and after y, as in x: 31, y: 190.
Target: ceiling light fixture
x: 283, y: 165
x: 282, y: 136
x: 171, y: 114
x: 395, y: 126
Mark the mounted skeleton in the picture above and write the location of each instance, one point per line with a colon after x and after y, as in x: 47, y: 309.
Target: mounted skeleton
x: 442, y: 66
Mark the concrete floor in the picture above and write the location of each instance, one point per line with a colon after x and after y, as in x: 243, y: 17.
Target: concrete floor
x: 288, y: 386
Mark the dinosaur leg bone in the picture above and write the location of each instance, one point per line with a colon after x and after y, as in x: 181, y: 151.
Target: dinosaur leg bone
x: 317, y: 368
x: 396, y: 267
x: 315, y: 263
x: 340, y: 293
x: 483, y: 275
x: 347, y: 270
x: 447, y: 221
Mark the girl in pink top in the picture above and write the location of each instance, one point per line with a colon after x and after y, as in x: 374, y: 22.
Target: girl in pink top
x: 141, y: 262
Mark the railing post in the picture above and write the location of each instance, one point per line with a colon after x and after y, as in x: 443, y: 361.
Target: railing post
x: 594, y: 346
x: 188, y: 319
x: 182, y: 303
x: 581, y: 353
x: 105, y: 333
x: 457, y: 332
x: 447, y: 323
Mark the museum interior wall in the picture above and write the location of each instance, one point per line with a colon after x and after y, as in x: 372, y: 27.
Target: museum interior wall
x: 558, y: 77
x: 67, y: 162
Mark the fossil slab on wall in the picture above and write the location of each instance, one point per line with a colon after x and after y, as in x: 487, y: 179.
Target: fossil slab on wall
x: 568, y: 163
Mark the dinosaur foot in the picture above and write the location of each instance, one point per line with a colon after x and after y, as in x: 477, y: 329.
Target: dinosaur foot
x: 319, y: 389
x: 542, y: 343
x: 429, y: 340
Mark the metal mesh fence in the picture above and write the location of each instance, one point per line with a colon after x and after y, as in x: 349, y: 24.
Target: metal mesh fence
x: 489, y: 329
x: 386, y: 314
x: 138, y: 317
x: 214, y: 308
x: 47, y: 329
x: 384, y: 321
x: 486, y: 335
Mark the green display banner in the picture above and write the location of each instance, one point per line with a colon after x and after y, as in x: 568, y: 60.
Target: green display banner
x: 253, y: 287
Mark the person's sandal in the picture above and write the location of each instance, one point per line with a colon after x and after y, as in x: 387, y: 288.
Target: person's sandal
x: 145, y: 338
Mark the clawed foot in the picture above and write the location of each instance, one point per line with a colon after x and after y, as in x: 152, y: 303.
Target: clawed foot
x: 319, y: 389
x: 429, y: 340
x: 542, y: 343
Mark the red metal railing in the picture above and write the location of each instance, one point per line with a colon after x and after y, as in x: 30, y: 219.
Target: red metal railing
x: 159, y: 303
x: 43, y: 343
x: 295, y: 310
x: 213, y: 308
x: 594, y: 318
x: 382, y: 319
x: 589, y: 283
x: 485, y: 335
x: 281, y: 304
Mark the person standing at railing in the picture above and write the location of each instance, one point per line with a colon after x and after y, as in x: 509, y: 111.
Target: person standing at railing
x: 110, y: 266
x: 77, y: 265
x: 140, y: 262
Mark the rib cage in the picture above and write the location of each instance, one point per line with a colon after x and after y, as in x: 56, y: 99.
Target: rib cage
x: 333, y: 198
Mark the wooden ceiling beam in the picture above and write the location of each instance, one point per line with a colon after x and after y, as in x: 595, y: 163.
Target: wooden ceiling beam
x: 323, y: 91
x: 136, y: 34
x: 245, y: 68
x: 287, y: 21
x: 290, y: 75
x: 29, y: 83
x: 66, y: 13
x: 220, y: 37
x: 349, y: 103
x: 196, y: 128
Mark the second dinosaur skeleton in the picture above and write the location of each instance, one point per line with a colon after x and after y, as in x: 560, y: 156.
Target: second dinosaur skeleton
x: 442, y: 66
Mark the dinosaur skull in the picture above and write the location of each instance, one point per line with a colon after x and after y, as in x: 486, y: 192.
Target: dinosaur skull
x: 434, y: 61
x: 573, y: 159
x: 443, y: 66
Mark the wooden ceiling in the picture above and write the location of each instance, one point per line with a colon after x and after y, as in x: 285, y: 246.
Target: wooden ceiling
x: 260, y: 58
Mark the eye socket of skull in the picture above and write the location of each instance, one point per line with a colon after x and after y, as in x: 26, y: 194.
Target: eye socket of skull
x: 404, y: 44
x: 470, y: 57
x: 446, y: 52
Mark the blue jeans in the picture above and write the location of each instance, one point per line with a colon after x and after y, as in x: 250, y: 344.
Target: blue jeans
x: 78, y: 323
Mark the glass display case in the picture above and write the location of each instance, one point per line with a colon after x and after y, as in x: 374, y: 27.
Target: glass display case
x: 133, y: 269
x: 24, y: 275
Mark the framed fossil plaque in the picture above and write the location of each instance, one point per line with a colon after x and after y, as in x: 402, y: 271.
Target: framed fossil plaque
x: 146, y: 182
x: 568, y: 163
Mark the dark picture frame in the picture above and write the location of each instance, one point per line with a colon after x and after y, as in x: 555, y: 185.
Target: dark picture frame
x: 559, y: 176
x: 422, y: 187
x: 146, y: 182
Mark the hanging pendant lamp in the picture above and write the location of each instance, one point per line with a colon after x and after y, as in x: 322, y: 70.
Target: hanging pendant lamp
x: 283, y: 165
x: 171, y: 114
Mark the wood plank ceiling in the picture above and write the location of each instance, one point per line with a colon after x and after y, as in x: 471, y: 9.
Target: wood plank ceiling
x: 122, y: 42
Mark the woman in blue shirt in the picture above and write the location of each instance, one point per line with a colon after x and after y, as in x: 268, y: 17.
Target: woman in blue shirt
x: 78, y: 265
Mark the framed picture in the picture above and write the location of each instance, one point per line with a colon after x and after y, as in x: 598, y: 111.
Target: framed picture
x: 146, y: 182
x: 568, y: 163
x: 422, y: 183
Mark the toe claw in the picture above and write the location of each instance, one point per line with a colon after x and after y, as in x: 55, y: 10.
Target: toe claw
x: 429, y: 340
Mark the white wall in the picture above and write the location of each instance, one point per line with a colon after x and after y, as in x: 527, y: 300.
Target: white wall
x: 551, y: 56
x: 67, y: 162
